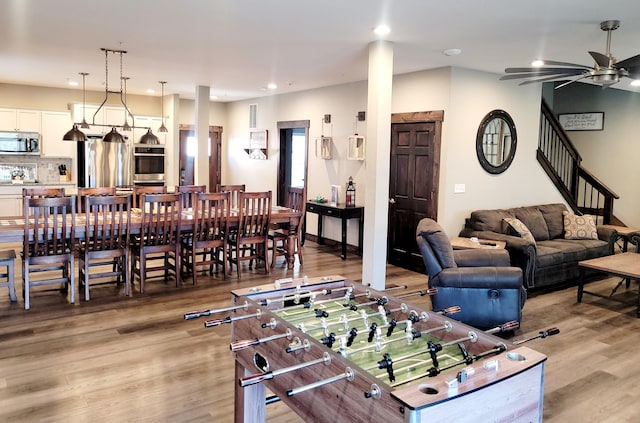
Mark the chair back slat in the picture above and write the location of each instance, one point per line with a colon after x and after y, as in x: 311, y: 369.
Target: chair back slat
x: 210, y: 218
x: 296, y: 200
x: 254, y: 215
x: 140, y: 190
x: 108, y: 220
x: 234, y: 192
x: 189, y: 193
x: 49, y: 228
x: 160, y: 219
x: 84, y: 192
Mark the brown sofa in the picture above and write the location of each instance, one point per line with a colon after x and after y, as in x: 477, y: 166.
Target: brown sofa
x: 551, y: 260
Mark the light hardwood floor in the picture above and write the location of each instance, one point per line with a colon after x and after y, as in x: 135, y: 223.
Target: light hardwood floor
x: 117, y: 359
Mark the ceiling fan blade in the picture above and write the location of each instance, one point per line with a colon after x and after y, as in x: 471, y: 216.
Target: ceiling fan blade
x: 560, y: 77
x: 573, y: 65
x: 571, y: 72
x: 601, y: 59
x: 570, y: 82
x: 630, y: 63
x: 543, y: 70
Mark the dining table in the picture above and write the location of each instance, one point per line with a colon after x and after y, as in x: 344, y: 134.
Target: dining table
x: 12, y: 227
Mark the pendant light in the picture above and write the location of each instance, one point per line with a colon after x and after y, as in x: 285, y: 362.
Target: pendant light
x: 149, y: 138
x: 126, y: 126
x: 75, y: 134
x: 113, y: 136
x: 84, y: 124
x: 162, y: 128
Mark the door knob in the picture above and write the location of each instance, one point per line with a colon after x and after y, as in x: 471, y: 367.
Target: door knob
x: 392, y: 201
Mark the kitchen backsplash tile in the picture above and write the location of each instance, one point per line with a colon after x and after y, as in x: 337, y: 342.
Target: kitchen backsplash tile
x: 44, y: 169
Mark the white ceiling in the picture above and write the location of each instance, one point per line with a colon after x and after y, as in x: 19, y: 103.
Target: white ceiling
x: 237, y: 47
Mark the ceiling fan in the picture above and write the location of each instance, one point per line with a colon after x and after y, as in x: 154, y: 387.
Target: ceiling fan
x: 606, y: 71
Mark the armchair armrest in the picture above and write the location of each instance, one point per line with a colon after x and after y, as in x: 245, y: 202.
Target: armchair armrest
x: 481, y: 277
x: 609, y: 235
x: 481, y: 257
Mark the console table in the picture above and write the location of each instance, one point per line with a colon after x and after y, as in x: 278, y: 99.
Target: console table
x: 342, y: 212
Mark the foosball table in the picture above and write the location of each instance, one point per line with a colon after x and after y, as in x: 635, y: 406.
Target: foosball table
x: 335, y: 351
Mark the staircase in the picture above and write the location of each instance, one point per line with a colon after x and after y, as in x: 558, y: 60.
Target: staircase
x: 584, y: 193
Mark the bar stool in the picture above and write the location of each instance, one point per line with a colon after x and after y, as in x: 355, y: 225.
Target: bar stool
x: 7, y: 258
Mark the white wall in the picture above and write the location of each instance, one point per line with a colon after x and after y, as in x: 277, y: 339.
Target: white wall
x: 466, y: 96
x: 611, y: 155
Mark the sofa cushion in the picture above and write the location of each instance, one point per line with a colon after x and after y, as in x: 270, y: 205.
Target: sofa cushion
x: 579, y: 227
x: 532, y: 218
x: 571, y: 252
x: 489, y: 220
x: 548, y: 255
x: 552, y: 214
x: 520, y: 229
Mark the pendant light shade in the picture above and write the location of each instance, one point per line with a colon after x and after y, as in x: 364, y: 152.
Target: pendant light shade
x: 74, y: 134
x: 149, y: 138
x: 113, y: 136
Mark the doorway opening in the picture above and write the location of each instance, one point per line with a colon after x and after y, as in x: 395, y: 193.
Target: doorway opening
x: 189, y: 150
x: 292, y: 161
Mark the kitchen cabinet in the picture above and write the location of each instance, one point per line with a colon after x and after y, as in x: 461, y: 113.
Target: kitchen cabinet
x: 11, y: 204
x: 152, y: 122
x: 20, y: 120
x: 54, y: 126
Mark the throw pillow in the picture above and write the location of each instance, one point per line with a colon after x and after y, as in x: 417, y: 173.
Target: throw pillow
x: 520, y: 228
x: 579, y: 227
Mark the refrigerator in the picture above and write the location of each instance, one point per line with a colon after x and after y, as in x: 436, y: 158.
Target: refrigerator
x: 104, y: 164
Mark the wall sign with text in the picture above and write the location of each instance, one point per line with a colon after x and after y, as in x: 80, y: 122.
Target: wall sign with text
x: 593, y: 121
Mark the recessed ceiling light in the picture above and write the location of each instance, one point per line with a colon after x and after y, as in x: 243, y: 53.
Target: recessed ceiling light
x: 635, y: 83
x: 537, y: 63
x: 452, y: 52
x: 272, y: 86
x: 213, y: 97
x: 73, y: 83
x: 382, y: 30
x: 150, y: 91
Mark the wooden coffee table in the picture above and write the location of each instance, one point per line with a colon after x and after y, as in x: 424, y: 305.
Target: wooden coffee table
x: 624, y: 265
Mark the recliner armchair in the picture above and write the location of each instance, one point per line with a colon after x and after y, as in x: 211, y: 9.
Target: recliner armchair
x: 481, y: 281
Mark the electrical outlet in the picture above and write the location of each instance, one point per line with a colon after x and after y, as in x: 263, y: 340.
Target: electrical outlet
x: 459, y: 188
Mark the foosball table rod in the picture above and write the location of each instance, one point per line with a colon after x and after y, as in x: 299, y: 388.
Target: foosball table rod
x: 541, y: 334
x: 422, y: 293
x: 299, y: 296
x: 348, y: 374
x: 218, y: 322
x: 511, y: 325
x: 241, y: 345
x: 261, y: 377
x: 197, y: 314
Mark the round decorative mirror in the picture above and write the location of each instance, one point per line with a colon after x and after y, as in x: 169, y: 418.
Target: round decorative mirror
x: 496, y: 141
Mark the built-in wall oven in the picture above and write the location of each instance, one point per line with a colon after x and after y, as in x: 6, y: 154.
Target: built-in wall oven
x: 148, y: 164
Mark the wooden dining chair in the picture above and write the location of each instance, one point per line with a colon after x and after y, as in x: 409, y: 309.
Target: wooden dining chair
x: 83, y: 192
x: 188, y: 194
x: 106, y: 243
x: 234, y: 191
x: 250, y: 241
x: 49, y: 244
x: 7, y: 261
x: 140, y: 190
x: 42, y: 192
x: 285, y: 240
x: 159, y: 239
x: 208, y: 236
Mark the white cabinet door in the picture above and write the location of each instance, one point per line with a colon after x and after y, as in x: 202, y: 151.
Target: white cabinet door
x: 54, y: 126
x: 20, y: 120
x: 28, y: 120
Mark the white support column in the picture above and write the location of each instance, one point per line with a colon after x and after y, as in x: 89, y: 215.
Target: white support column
x: 378, y: 149
x: 201, y: 171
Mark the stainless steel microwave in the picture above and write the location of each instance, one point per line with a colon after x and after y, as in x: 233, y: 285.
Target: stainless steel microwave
x: 20, y: 143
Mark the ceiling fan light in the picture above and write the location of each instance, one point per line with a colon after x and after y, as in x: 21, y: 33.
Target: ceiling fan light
x: 75, y: 135
x: 113, y: 136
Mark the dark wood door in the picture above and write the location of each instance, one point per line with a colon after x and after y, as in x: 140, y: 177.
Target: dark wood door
x: 293, y: 157
x: 215, y: 158
x: 413, y: 184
